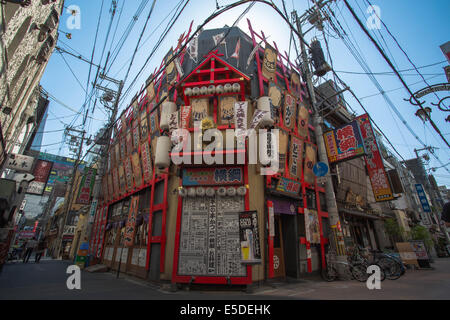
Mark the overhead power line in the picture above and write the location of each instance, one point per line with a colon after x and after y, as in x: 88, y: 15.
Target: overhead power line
x: 393, y: 69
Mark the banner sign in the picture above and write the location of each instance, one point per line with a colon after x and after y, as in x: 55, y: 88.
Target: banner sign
x: 283, y: 139
x: 86, y: 186
x: 310, y: 161
x: 130, y: 229
x: 290, y: 111
x: 288, y: 186
x: 116, y: 182
x: 344, y: 143
x: 41, y: 173
x: 136, y: 136
x: 257, y: 117
x: 122, y: 182
x: 312, y: 226
x: 171, y: 70
x: 212, y: 176
x: 249, y: 237
x: 377, y: 174
x: 226, y: 109
x: 143, y: 124
x: 240, y: 119
x: 276, y: 97
x: 303, y: 121
x: 423, y: 198
x: 146, y: 162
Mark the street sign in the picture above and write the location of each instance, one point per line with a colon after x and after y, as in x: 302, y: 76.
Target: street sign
x: 320, y: 169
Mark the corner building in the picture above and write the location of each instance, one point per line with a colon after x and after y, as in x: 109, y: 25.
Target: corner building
x: 180, y: 223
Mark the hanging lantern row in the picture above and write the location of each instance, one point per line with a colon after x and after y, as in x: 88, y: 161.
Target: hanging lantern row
x: 211, y: 192
x: 212, y: 89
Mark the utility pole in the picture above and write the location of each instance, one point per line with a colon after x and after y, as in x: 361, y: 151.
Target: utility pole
x: 105, y: 136
x: 68, y: 202
x: 336, y: 239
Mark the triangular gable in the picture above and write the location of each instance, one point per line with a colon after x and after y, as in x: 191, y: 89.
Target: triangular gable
x: 212, y: 69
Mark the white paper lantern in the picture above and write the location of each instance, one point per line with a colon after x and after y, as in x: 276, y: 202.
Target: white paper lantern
x: 228, y: 87
x: 200, y: 191
x: 162, y: 158
x: 188, y: 92
x: 211, y: 89
x: 203, y: 90
x: 219, y: 89
x: 231, y: 191
x: 263, y: 104
x: 192, y: 192
x: 168, y: 107
x: 222, y: 191
x: 182, y: 192
x: 236, y: 87
x: 195, y: 91
x: 210, y: 192
x: 242, y: 191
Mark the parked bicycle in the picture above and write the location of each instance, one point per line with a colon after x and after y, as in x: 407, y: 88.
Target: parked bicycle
x: 348, y: 270
x: 391, y: 268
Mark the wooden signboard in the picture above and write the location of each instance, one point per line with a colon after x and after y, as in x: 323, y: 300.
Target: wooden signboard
x: 130, y: 228
x: 226, y: 109
x: 136, y: 163
x: 290, y: 111
x: 310, y: 161
x: 303, y: 121
x: 407, y: 254
x: 171, y: 70
x: 154, y: 122
x: 110, y: 186
x: 295, y: 84
x: 151, y: 91
x: 129, y: 140
x: 146, y: 162
x: 136, y: 135
x: 122, y: 182
x: 128, y: 173
x: 283, y: 148
x: 117, y: 152
x: 296, y: 158
x: 199, y: 109
x: 143, y: 124
x: 116, y: 183
x: 276, y: 96
x: 269, y: 66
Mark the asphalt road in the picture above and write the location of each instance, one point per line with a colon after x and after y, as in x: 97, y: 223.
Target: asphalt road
x: 47, y: 281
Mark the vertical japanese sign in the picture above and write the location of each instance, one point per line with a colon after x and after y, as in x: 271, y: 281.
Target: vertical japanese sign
x: 290, y: 110
x: 136, y: 163
x: 312, y: 227
x: 344, y: 143
x: 303, y: 121
x: 295, y: 158
x: 425, y: 204
x: 171, y: 70
x: 146, y: 162
x: 86, y: 185
x: 128, y: 173
x: 143, y: 125
x: 240, y: 111
x: 249, y: 237
x: 377, y: 174
x: 136, y: 135
x: 19, y: 162
x: 130, y: 228
x: 310, y: 161
x: 41, y: 173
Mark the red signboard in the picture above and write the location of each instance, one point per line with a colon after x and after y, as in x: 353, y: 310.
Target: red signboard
x: 41, y: 173
x: 344, y: 143
x: 377, y: 173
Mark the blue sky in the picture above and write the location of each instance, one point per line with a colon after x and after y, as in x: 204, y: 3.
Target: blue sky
x: 419, y: 26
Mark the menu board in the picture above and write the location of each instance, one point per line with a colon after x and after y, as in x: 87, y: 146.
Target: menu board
x: 209, y: 238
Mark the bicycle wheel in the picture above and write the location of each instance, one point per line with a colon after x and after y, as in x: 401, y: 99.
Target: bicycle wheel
x: 391, y: 268
x: 329, y: 274
x: 359, y: 272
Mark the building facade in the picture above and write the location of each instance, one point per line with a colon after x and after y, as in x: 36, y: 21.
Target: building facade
x: 28, y: 38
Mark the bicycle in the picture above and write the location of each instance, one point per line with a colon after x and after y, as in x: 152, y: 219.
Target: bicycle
x: 350, y: 271
x: 362, y: 262
x: 393, y: 268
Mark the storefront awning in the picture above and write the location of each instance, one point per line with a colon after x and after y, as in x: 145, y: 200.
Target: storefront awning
x: 359, y: 214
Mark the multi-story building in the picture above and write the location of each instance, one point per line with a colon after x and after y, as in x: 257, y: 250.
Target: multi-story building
x: 28, y: 38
